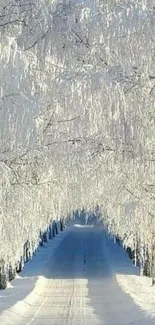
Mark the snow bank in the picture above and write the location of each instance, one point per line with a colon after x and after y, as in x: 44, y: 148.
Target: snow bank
x: 17, y: 298
x: 140, y: 289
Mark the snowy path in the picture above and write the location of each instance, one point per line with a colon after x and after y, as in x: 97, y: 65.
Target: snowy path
x: 80, y: 287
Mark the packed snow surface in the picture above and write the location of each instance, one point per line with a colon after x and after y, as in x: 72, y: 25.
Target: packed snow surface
x: 80, y: 278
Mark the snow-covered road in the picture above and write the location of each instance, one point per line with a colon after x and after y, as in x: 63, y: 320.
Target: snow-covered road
x: 79, y: 286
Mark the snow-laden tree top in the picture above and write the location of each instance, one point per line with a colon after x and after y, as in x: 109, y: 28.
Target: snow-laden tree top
x: 77, y: 111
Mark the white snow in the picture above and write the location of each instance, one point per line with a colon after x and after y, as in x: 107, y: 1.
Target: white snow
x: 21, y: 291
x: 77, y: 97
x: 77, y: 126
x: 140, y: 289
x: 81, y: 278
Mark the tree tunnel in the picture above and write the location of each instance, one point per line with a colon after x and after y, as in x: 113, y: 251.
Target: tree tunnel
x: 76, y: 119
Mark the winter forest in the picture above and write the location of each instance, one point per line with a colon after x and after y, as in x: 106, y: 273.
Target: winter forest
x: 77, y: 120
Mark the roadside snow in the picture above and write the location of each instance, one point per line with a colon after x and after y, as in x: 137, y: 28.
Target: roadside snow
x: 21, y: 291
x: 128, y: 277
x: 140, y: 289
x: 83, y: 226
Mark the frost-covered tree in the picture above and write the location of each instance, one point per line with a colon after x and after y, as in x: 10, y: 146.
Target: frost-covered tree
x: 77, y: 118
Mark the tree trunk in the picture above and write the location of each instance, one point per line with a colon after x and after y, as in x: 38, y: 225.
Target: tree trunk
x: 53, y: 229
x: 61, y: 225
x: 20, y: 265
x: 141, y: 260
x: 3, y: 275
x: 135, y: 252
x: 153, y: 263
x: 12, y: 272
x: 56, y: 228
x: 45, y: 237
x: 50, y: 233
